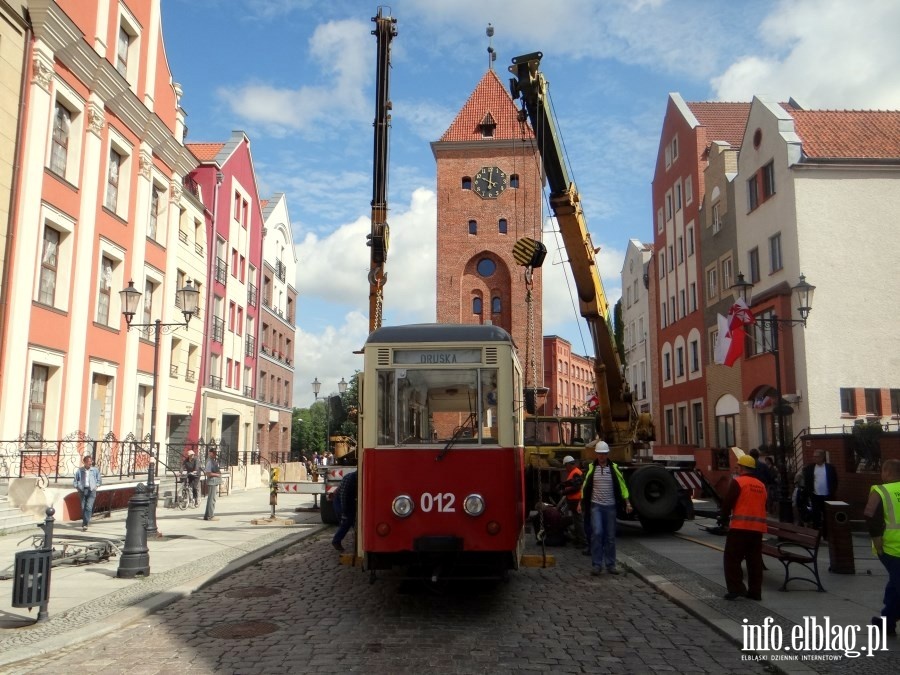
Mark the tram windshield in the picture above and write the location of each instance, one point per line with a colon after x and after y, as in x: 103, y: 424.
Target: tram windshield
x: 428, y: 406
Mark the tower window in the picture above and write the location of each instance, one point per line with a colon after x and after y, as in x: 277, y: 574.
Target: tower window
x: 476, y: 305
x: 496, y: 307
x: 473, y: 227
x: 467, y: 183
x: 486, y: 267
x: 487, y: 126
x: 514, y: 180
x: 501, y: 226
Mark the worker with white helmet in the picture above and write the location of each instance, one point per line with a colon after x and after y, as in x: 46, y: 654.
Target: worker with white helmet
x: 604, y: 495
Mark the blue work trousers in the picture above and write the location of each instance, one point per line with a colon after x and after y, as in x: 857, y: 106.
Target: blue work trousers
x: 87, y: 505
x: 347, y: 520
x: 603, y: 536
x: 892, y: 589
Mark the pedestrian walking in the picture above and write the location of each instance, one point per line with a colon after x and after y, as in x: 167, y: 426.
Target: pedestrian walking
x: 745, y: 505
x: 213, y: 478
x: 883, y: 518
x: 345, y: 508
x: 87, y: 480
x: 605, y: 494
x: 820, y: 479
x: 571, y: 488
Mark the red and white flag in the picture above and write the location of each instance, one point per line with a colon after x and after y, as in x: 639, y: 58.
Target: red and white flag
x: 730, y: 342
x: 592, y: 402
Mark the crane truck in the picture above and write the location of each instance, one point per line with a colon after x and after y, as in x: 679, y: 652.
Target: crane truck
x: 661, y: 495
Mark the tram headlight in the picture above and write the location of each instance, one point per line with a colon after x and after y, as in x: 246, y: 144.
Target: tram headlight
x: 402, y: 506
x: 474, y: 505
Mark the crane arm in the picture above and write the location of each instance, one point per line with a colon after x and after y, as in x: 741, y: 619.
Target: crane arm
x: 385, y: 30
x: 530, y: 86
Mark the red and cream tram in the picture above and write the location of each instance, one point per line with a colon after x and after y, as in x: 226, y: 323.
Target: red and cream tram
x: 441, y: 466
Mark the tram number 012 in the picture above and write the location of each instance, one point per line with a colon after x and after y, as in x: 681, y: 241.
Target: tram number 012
x: 442, y: 502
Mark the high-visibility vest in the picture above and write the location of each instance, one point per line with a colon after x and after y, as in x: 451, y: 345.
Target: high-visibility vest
x: 890, y: 500
x: 575, y: 495
x: 750, y: 510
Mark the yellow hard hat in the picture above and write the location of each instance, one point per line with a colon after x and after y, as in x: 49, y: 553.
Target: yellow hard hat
x: 748, y: 461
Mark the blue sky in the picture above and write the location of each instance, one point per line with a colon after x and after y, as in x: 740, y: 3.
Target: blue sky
x: 298, y: 77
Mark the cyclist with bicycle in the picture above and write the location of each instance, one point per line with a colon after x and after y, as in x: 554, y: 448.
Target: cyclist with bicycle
x: 190, y: 471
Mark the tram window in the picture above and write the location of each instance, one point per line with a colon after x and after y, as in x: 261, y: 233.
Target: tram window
x: 428, y: 406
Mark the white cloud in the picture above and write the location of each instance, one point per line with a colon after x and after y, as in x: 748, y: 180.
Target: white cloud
x: 824, y: 53
x: 341, y: 52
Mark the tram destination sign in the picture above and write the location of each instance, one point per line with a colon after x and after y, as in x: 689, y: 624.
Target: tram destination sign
x: 442, y: 357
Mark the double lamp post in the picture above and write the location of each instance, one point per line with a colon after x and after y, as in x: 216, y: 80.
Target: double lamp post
x: 803, y: 294
x: 317, y: 387
x: 187, y: 299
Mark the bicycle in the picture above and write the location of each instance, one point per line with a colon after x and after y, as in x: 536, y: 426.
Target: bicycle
x: 186, y: 497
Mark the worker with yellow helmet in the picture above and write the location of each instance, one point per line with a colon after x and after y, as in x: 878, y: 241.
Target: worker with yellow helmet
x: 745, y: 505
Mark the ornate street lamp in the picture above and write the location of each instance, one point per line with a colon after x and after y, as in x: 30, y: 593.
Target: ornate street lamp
x: 188, y: 299
x: 803, y: 293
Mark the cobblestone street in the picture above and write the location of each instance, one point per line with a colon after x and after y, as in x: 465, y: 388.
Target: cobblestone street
x: 299, y: 611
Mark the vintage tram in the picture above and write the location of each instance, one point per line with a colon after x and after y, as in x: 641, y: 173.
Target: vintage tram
x: 441, y: 451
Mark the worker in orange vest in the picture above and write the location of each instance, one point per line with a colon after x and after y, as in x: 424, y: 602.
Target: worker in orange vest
x: 745, y: 505
x: 571, y: 488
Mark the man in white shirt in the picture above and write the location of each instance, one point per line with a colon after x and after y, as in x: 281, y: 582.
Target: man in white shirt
x: 87, y: 480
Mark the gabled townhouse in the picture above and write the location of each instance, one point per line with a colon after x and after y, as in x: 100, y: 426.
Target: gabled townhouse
x: 275, y: 383
x: 817, y: 193
x: 568, y: 376
x: 97, y: 204
x: 228, y: 372
x: 678, y: 278
x: 636, y: 314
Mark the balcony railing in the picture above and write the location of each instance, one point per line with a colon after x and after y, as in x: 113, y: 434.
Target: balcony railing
x: 173, y: 370
x: 183, y: 236
x: 252, y: 294
x: 221, y: 270
x: 248, y: 392
x: 191, y: 186
x: 218, y: 329
x: 280, y: 270
x: 250, y: 346
x: 215, y: 382
x: 198, y: 248
x: 190, y: 375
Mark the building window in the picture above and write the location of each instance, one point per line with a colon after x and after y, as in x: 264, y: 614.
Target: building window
x: 670, y: 425
x: 712, y: 284
x: 155, y: 193
x: 848, y: 402
x: 486, y: 267
x: 473, y: 227
x: 37, y: 400
x: 895, y: 402
x: 476, y: 306
x: 514, y: 180
x: 768, y: 180
x: 775, y: 262
x: 659, y: 220
x: 693, y: 296
x: 122, y: 51
x: 753, y: 192
x: 682, y: 425
x: 49, y: 266
x: 753, y: 264
x: 680, y: 250
x: 501, y: 225
x: 679, y: 361
x: 678, y: 196
x: 467, y: 183
x: 668, y: 206
x: 725, y: 425
x: 690, y: 241
x: 104, y: 290
x: 141, y: 412
x: 148, y: 301
x: 695, y: 356
x: 716, y: 219
x: 713, y: 339
x: 698, y: 423
x: 683, y: 299
x: 495, y: 305
x: 59, y: 152
x: 760, y: 335
x: 873, y: 402
x: 674, y: 148
x: 663, y: 311
x: 727, y: 274
x: 688, y: 190
x: 112, y: 180
x: 671, y: 259
x: 662, y: 264
x: 667, y: 367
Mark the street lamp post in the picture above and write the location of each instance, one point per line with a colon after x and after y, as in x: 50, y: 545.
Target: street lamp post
x: 187, y: 298
x: 803, y: 292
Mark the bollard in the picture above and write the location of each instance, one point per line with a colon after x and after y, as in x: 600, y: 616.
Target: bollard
x: 135, y: 558
x: 273, y: 489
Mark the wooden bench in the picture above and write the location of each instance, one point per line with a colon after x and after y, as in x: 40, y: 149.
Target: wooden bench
x: 791, y: 544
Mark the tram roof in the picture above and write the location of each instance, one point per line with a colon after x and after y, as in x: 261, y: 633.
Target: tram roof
x: 439, y: 332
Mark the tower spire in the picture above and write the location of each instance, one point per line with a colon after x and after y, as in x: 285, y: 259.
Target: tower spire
x: 492, y: 55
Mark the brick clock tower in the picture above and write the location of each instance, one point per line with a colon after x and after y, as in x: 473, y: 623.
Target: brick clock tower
x: 489, y: 195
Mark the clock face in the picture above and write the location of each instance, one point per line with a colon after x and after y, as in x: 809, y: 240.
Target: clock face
x: 490, y: 182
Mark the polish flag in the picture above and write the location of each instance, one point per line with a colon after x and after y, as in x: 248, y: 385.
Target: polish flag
x: 592, y: 402
x: 730, y: 343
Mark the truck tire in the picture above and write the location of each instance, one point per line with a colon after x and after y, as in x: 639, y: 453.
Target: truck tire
x: 661, y: 525
x: 654, y: 493
x: 326, y: 511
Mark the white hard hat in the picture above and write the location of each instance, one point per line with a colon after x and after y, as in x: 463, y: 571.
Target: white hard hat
x: 567, y: 459
x: 601, y: 448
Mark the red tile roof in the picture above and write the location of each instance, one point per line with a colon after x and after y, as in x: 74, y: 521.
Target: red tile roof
x: 849, y: 134
x: 205, y: 152
x: 489, y: 97
x: 723, y: 121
